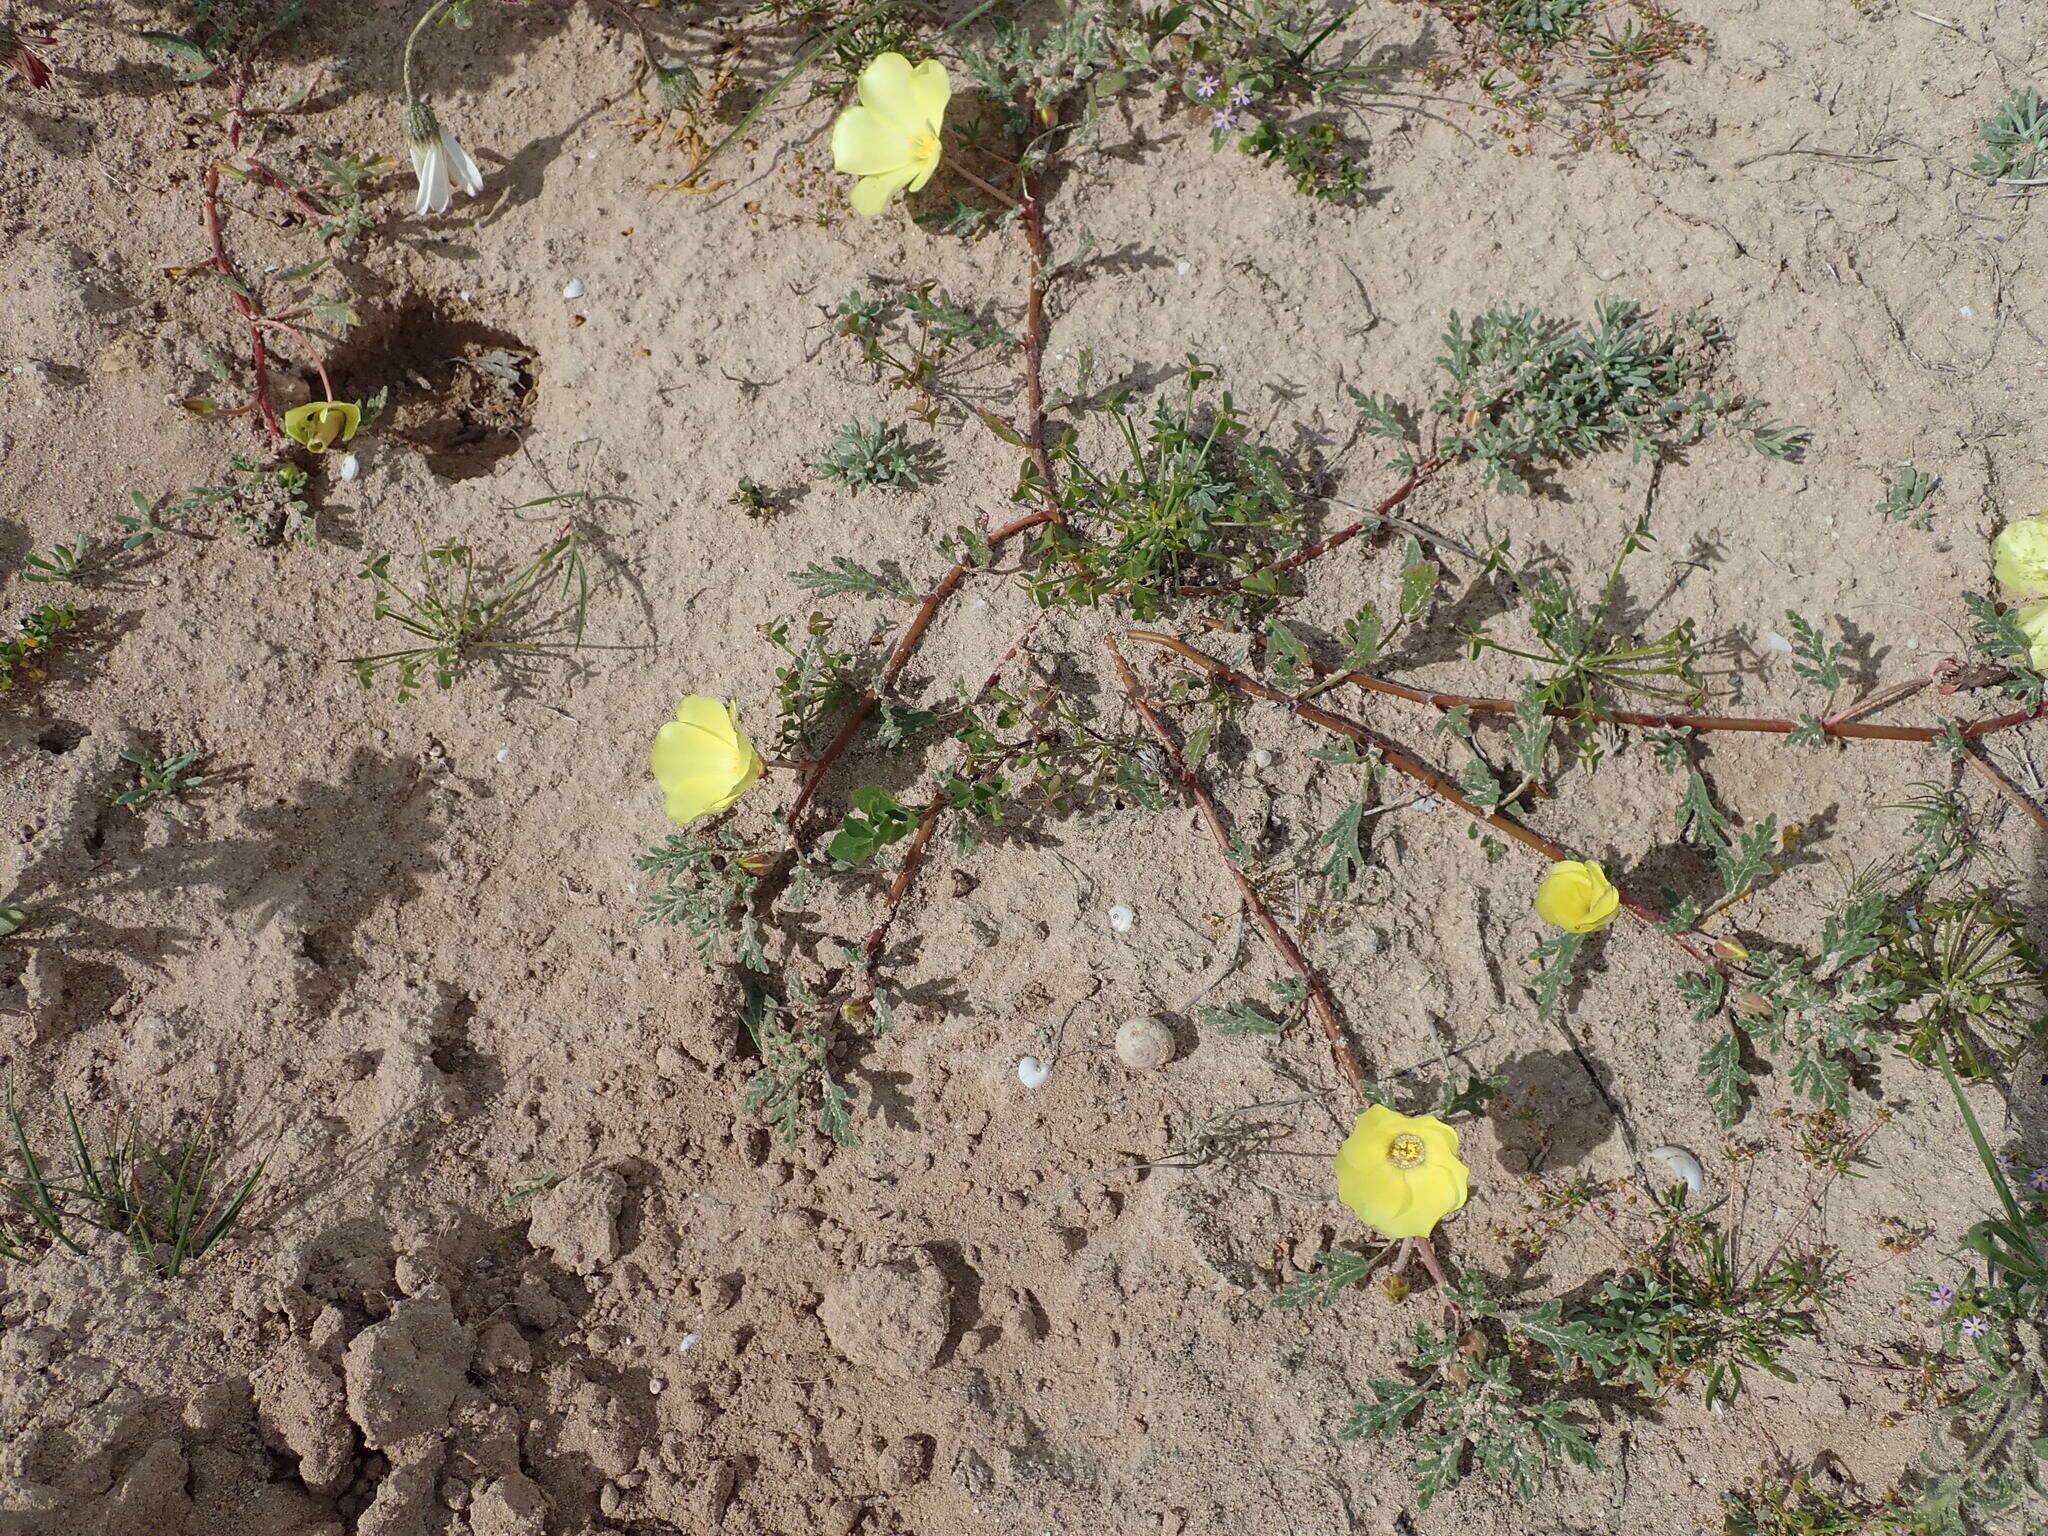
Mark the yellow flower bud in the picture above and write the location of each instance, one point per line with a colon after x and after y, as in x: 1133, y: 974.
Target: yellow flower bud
x: 2019, y: 557
x: 320, y: 424
x: 1400, y: 1174
x: 1577, y: 897
x: 891, y: 140
x: 702, y: 759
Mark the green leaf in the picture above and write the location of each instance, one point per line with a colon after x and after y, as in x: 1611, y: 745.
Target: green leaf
x: 1727, y: 1079
x: 1287, y: 656
x: 1239, y: 1019
x: 847, y: 578
x: 1347, y: 858
x: 1364, y: 634
x: 1814, y: 658
x: 1333, y: 1273
x: 1418, y: 582
x: 1556, y: 954
x: 1471, y: 1099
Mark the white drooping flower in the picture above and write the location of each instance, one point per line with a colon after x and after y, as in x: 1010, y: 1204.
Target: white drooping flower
x: 442, y: 165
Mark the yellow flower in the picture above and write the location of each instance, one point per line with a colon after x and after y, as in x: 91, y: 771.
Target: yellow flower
x: 1401, y: 1175
x: 702, y: 759
x: 320, y: 424
x: 2033, y: 618
x: 891, y: 140
x: 2019, y: 557
x: 1579, y: 898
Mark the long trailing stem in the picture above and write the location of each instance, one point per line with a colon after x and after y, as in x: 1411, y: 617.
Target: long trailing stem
x: 1403, y: 762
x: 899, y: 655
x: 1837, y: 728
x: 1034, y: 447
x: 1319, y: 1003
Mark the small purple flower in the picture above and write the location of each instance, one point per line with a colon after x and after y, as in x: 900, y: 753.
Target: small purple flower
x: 2007, y: 1162
x: 2038, y: 1181
x: 1941, y: 1297
x: 1974, y: 1328
x: 1207, y: 86
x: 1240, y: 95
x: 1223, y: 119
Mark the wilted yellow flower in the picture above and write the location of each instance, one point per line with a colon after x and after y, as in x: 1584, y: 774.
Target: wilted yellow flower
x: 891, y: 140
x: 702, y: 759
x: 320, y: 424
x: 1577, y: 897
x: 1400, y: 1174
x: 2019, y: 557
x: 2033, y: 618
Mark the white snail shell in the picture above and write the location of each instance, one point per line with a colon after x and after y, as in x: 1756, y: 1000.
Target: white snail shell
x: 1683, y: 1165
x: 1032, y: 1072
x: 1144, y: 1044
x: 1122, y: 918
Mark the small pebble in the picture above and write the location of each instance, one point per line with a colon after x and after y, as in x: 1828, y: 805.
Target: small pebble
x: 574, y: 289
x: 1122, y: 918
x: 504, y: 754
x: 351, y: 466
x: 1144, y: 1044
x: 1265, y: 757
x: 1032, y: 1072
x: 686, y: 1343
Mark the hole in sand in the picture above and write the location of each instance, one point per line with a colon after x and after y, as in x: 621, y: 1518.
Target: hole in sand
x: 461, y: 391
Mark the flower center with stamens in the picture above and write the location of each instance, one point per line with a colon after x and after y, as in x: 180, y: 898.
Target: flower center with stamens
x: 924, y: 147
x: 1406, y: 1151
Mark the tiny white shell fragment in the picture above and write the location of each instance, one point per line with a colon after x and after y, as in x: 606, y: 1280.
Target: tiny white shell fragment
x: 574, y: 289
x: 1144, y: 1044
x: 686, y: 1343
x: 1683, y: 1165
x: 1265, y: 757
x: 351, y: 466
x: 1121, y: 918
x: 1032, y: 1072
x: 504, y: 754
x: 1773, y: 641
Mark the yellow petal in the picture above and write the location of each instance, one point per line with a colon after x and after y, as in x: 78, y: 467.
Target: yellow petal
x: 865, y: 143
x: 930, y: 90
x: 2033, y: 619
x: 871, y: 194
x: 884, y: 87
x: 1577, y: 897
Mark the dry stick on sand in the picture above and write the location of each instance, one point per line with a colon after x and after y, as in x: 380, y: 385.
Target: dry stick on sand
x: 1400, y: 761
x: 1282, y: 941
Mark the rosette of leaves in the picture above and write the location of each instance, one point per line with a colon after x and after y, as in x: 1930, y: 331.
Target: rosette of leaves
x: 1977, y: 977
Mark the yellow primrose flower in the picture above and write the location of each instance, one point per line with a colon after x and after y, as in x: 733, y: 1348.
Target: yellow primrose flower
x: 2033, y: 618
x: 2019, y: 557
x: 1579, y: 898
x: 702, y: 759
x: 320, y: 424
x: 891, y: 140
x: 1400, y: 1174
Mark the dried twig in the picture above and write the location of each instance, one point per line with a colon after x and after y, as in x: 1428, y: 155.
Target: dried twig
x: 1401, y: 761
x: 1324, y: 1011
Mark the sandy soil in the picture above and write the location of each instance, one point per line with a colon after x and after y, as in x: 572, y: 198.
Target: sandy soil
x: 397, y: 952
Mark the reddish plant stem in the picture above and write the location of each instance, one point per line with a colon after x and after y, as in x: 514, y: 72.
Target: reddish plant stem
x: 1290, y: 954
x: 1034, y: 446
x: 1835, y: 728
x: 1373, y: 519
x: 899, y: 655
x: 1397, y: 758
x: 913, y: 853
x: 259, y: 352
